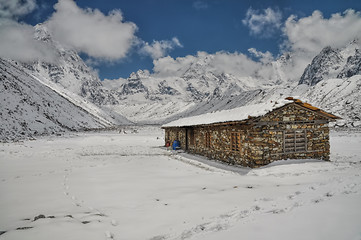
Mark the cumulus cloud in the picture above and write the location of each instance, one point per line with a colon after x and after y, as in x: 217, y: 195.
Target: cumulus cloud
x: 307, y: 36
x: 304, y: 39
x: 17, y: 39
x: 199, y: 5
x: 99, y: 36
x: 16, y: 8
x: 168, y: 66
x: 236, y: 63
x: 91, y: 32
x: 263, y: 23
x: 311, y: 34
x: 114, y: 84
x: 264, y: 57
x: 18, y: 43
x: 159, y: 49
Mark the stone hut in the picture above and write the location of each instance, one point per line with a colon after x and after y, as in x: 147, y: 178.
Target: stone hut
x: 256, y: 135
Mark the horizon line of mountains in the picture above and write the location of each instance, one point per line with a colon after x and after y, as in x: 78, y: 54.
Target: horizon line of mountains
x: 50, y: 98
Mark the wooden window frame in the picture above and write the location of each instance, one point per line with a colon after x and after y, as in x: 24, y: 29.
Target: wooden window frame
x: 294, y: 141
x: 192, y: 137
x: 235, y: 141
x: 208, y: 140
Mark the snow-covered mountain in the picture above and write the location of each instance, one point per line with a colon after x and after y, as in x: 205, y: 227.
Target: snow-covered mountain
x: 69, y: 71
x: 333, y: 63
x: 41, y: 97
x: 51, y: 97
x: 30, y: 108
x: 352, y: 66
x: 340, y: 96
x: 331, y: 81
x: 150, y: 98
x: 202, y: 80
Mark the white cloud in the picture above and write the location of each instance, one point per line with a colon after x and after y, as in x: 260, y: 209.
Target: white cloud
x: 91, y: 32
x: 159, y: 49
x: 263, y: 23
x: 101, y: 37
x: 168, y: 66
x: 199, y: 5
x: 114, y: 84
x: 237, y: 64
x: 18, y: 43
x: 311, y: 34
x: 307, y: 36
x: 17, y: 39
x: 16, y: 8
x: 264, y: 57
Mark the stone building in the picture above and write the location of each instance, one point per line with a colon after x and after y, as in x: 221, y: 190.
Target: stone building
x: 256, y: 135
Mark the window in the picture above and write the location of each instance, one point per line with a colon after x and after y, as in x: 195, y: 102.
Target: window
x: 295, y: 141
x: 208, y: 139
x: 235, y: 141
x: 191, y: 136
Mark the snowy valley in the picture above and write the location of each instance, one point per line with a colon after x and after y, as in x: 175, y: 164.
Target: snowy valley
x: 126, y: 186
x: 80, y: 161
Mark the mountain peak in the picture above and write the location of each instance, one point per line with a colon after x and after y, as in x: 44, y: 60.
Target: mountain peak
x: 352, y: 67
x: 42, y: 33
x: 140, y: 74
x: 325, y: 65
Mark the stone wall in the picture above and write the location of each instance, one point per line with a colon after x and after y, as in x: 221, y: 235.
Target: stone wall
x: 262, y: 140
x: 172, y: 134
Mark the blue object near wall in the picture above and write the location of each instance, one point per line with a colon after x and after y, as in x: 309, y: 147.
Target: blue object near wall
x: 176, y: 145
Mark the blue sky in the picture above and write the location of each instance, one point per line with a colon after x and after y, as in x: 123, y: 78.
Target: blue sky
x: 189, y: 26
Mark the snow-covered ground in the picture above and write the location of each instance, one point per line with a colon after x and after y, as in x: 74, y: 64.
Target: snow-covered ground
x: 112, y: 185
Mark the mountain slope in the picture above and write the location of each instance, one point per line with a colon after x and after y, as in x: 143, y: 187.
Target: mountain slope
x: 340, y: 96
x: 69, y: 71
x: 333, y: 63
x: 201, y: 87
x: 30, y: 108
x: 331, y: 81
x: 352, y: 66
x: 324, y: 65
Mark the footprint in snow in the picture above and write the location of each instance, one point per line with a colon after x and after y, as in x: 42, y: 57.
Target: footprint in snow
x: 329, y: 194
x: 265, y: 199
x: 277, y: 211
x: 109, y: 235
x: 256, y: 208
x: 317, y: 200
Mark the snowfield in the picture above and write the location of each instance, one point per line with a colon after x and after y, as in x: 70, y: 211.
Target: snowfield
x: 111, y: 185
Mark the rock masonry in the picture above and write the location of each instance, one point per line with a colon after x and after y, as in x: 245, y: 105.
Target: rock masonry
x: 290, y: 132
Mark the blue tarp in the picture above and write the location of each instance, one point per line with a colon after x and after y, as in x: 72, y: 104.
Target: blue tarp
x: 176, y: 145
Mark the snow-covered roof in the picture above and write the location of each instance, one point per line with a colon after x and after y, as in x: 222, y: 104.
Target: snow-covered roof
x: 236, y: 114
